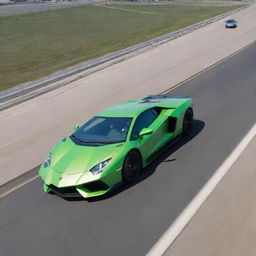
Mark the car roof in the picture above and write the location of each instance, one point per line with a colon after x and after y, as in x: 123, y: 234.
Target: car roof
x: 133, y: 108
x: 230, y: 21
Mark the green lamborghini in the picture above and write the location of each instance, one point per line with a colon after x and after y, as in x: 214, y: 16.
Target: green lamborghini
x: 112, y: 148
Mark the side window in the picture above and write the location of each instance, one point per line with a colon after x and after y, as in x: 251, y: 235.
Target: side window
x: 143, y: 121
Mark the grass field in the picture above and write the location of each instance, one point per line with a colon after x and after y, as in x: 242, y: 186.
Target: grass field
x: 37, y: 44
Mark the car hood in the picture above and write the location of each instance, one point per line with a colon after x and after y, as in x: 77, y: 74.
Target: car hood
x: 69, y: 158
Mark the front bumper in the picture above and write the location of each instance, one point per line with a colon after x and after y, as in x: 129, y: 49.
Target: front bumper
x: 91, y: 189
x: 79, y: 185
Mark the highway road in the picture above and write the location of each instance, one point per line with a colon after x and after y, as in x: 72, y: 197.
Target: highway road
x: 152, y: 71
x: 130, y: 221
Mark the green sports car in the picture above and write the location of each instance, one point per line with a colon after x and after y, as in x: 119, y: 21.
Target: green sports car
x: 114, y: 146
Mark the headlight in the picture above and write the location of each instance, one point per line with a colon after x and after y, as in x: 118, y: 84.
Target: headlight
x: 47, y: 160
x: 98, y: 168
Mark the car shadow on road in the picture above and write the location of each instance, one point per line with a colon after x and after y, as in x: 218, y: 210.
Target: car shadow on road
x: 164, y: 155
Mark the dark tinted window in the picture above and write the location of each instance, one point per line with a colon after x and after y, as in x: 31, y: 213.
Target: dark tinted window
x: 143, y: 121
x: 103, y: 130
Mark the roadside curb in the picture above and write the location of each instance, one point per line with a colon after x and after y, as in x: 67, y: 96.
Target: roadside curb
x: 18, y: 182
x: 19, y: 94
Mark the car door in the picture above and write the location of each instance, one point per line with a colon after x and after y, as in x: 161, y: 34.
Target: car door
x: 147, y: 144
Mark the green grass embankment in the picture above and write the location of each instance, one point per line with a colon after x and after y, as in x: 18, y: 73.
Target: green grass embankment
x: 37, y: 44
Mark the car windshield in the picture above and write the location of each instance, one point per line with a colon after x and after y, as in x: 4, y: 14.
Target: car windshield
x: 103, y: 130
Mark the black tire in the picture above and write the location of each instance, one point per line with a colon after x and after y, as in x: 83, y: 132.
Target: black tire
x: 188, y: 121
x: 132, y: 167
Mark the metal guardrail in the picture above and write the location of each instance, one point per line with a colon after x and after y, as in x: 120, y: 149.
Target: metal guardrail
x: 23, y: 90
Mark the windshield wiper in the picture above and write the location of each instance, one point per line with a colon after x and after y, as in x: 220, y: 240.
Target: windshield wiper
x: 88, y: 142
x: 94, y: 142
x: 104, y: 142
x: 77, y: 139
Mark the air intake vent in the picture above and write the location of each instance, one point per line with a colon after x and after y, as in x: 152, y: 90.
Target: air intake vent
x: 65, y: 192
x: 96, y: 186
x: 158, y: 98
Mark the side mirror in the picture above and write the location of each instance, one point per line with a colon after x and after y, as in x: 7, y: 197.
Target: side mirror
x: 76, y: 127
x: 145, y: 131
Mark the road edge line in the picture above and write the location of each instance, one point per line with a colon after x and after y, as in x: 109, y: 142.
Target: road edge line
x: 191, y: 209
x: 18, y: 182
x: 208, y: 68
x: 18, y: 186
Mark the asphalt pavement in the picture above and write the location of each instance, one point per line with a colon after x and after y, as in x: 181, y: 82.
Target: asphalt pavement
x: 130, y: 221
x: 225, y: 224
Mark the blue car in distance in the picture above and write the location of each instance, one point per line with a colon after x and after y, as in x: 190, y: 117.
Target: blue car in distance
x: 231, y: 23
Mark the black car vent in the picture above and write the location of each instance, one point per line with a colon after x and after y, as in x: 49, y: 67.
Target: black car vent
x: 159, y: 98
x: 65, y: 192
x: 96, y: 186
x: 172, y: 124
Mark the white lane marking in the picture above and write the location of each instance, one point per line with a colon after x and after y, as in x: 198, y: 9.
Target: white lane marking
x: 187, y: 214
x: 18, y: 186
